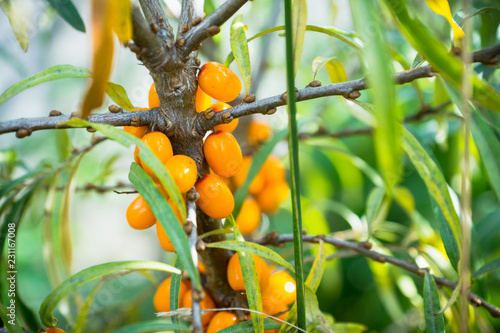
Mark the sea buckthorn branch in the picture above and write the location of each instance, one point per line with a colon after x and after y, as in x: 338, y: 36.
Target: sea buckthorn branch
x: 210, y: 26
x: 191, y: 15
x: 153, y: 11
x: 364, y: 248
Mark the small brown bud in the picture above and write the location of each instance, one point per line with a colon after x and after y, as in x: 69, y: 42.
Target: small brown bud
x: 271, y: 111
x: 180, y: 41
x: 188, y: 227
x: 198, y: 295
x: 185, y: 275
x: 196, y: 21
x: 200, y: 246
x: 184, y: 28
x: 199, y: 47
x: 213, y: 30
x: 134, y: 48
x: 249, y: 98
x: 154, y: 27
x: 91, y: 130
x: 304, y: 232
x: 198, y: 62
x: 135, y: 121
x: 22, y: 133
x: 160, y: 18
x: 315, y: 83
x: 75, y: 115
x: 381, y: 259
x: 114, y: 108
x: 272, y: 235
x: 209, y: 113
x: 54, y: 113
x: 457, y: 51
x: 193, y: 195
x: 366, y: 245
x: 284, y: 97
x: 226, y: 117
x: 353, y: 94
x: 186, y: 58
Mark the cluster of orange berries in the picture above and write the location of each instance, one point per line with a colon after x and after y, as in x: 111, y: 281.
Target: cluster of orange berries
x: 277, y: 289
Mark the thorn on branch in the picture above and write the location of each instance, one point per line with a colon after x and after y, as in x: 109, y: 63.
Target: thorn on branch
x: 55, y: 113
x: 213, y: 30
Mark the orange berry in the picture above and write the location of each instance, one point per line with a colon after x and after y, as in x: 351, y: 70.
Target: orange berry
x: 257, y: 183
x: 224, y: 180
x: 163, y: 238
x: 274, y: 307
x: 219, y: 106
x: 203, y: 101
x: 258, y: 132
x: 216, y: 199
x: 206, y: 303
x: 183, y: 170
x: 161, y: 300
x: 154, y: 101
x: 273, y: 170
x: 139, y: 214
x: 223, y: 154
x: 136, y: 131
x: 281, y: 288
x: 161, y: 147
x: 235, y: 276
x: 54, y: 330
x: 201, y: 267
x: 222, y: 320
x: 271, y: 196
x: 249, y: 217
x: 219, y: 82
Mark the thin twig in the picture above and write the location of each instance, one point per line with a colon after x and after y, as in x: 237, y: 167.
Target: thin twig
x: 193, y: 239
x: 191, y: 9
x: 364, y: 248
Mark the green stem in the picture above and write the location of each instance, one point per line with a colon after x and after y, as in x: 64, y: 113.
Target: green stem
x: 293, y: 143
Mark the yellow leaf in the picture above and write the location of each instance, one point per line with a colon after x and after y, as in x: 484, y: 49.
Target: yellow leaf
x: 442, y: 7
x: 17, y: 22
x: 299, y: 25
x: 103, y: 55
x: 336, y: 71
x: 121, y: 18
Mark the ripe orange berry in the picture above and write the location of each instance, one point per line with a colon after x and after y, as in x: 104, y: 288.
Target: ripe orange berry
x: 223, y: 154
x: 161, y: 147
x: 139, y: 214
x: 273, y: 170
x: 271, y: 196
x: 154, y: 101
x: 222, y: 320
x: 249, y: 217
x: 219, y: 82
x: 201, y: 267
x: 273, y: 307
x: 184, y: 171
x: 163, y: 238
x: 206, y: 303
x: 219, y: 106
x: 54, y: 330
x: 257, y: 183
x: 258, y: 132
x: 203, y: 101
x: 161, y: 300
x: 216, y: 199
x: 281, y: 288
x: 235, y: 276
x: 136, y: 131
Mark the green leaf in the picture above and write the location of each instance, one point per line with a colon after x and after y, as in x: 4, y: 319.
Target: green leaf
x: 53, y: 73
x: 434, y: 321
x: 64, y: 147
x: 348, y: 328
x: 318, y: 63
x: 252, y: 248
x: 239, y: 47
x: 79, y: 326
x: 316, y: 274
x: 175, y: 288
x: 11, y: 323
x: 153, y: 326
x: 438, y: 189
x: 299, y: 22
x: 166, y: 216
x: 488, y: 146
x: 17, y: 23
x: 489, y: 267
x: 433, y: 50
x: 69, y: 13
x: 145, y: 154
x: 247, y: 326
x: 118, y: 94
x: 387, y: 134
x: 257, y: 162
x: 377, y: 208
x: 91, y: 274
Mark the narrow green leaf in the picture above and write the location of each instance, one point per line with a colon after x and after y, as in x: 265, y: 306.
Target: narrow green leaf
x: 489, y: 267
x: 239, y: 47
x: 348, y: 328
x: 488, y: 146
x: 175, y: 288
x: 17, y: 23
x: 118, y: 94
x: 10, y: 321
x: 291, y: 25
x: 247, y: 326
x: 318, y: 63
x: 69, y: 13
x: 433, y: 50
x: 153, y: 326
x: 79, y: 325
x: 387, y: 134
x: 434, y: 321
x: 299, y: 22
x: 166, y: 216
x: 419, y: 60
x: 438, y: 189
x: 374, y: 203
x: 91, y: 274
x: 145, y: 154
x: 26, y: 315
x: 316, y: 274
x: 252, y: 248
x: 63, y: 142
x: 53, y: 73
x: 257, y: 163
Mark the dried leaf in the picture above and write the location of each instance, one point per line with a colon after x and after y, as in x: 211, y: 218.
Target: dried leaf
x: 442, y: 7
